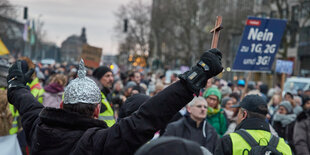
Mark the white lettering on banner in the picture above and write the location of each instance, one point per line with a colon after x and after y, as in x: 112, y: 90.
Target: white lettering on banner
x: 254, y: 34
x: 270, y: 48
x: 263, y: 60
x: 259, y: 48
x: 244, y: 49
x: 249, y: 61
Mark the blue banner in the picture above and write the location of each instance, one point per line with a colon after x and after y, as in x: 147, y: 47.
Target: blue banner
x: 283, y: 66
x: 259, y: 44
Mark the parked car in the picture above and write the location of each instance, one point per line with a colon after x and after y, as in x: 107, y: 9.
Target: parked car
x: 293, y: 84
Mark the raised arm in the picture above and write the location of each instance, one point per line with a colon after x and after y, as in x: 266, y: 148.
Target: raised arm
x: 129, y: 134
x: 19, y: 95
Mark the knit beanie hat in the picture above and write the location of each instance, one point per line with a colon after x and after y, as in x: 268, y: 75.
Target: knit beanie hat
x: 130, y: 84
x: 226, y: 90
x: 224, y: 101
x: 287, y: 105
x: 100, y: 71
x: 212, y: 91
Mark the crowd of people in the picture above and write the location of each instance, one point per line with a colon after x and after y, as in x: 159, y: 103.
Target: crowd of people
x: 77, y: 110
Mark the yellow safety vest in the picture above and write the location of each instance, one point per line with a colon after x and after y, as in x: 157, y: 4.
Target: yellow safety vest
x: 107, y: 115
x: 15, y: 116
x: 239, y: 144
x: 36, y: 89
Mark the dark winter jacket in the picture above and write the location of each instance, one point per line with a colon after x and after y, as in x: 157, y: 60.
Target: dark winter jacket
x: 186, y: 128
x: 301, y: 133
x: 55, y: 131
x: 132, y: 104
x: 285, y: 130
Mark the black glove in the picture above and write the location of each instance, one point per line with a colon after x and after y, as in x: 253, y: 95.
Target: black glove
x: 16, y: 78
x: 208, y: 66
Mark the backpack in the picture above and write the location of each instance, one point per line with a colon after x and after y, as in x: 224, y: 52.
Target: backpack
x: 256, y: 149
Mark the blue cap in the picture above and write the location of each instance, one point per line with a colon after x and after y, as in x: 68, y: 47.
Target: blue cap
x: 241, y: 83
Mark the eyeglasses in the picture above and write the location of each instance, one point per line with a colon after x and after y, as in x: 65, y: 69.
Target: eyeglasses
x: 200, y: 106
x: 212, y: 99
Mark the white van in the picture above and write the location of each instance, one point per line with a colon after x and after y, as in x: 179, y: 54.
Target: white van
x: 293, y: 84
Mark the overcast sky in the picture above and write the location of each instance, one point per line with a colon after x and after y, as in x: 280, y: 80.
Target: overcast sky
x: 63, y: 18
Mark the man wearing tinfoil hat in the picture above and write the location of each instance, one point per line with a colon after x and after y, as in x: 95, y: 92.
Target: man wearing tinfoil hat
x: 74, y: 129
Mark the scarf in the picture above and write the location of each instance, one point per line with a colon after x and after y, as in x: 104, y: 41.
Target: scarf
x: 54, y: 88
x: 284, y: 119
x: 229, y: 114
x: 213, y: 111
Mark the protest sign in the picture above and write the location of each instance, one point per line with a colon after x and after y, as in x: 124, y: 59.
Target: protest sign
x: 91, y: 56
x: 283, y: 66
x: 259, y: 44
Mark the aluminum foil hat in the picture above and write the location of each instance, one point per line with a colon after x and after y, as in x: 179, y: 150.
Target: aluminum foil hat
x: 82, y: 89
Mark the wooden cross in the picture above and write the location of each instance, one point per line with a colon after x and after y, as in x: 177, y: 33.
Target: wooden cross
x: 216, y: 31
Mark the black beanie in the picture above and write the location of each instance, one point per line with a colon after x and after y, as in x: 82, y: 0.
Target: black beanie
x: 100, y: 71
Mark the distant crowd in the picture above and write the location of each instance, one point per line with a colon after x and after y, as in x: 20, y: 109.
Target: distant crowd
x: 208, y: 117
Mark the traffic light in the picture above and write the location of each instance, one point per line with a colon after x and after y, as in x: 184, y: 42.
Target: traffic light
x: 125, y: 25
x: 25, y: 12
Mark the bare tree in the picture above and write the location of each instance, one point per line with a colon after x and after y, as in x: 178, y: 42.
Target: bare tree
x: 136, y: 40
x: 7, y: 9
x: 183, y: 26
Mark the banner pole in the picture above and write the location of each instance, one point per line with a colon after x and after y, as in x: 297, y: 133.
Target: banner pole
x: 246, y: 84
x: 283, y: 76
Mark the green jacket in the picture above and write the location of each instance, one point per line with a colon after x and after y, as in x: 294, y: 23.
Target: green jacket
x: 218, y: 120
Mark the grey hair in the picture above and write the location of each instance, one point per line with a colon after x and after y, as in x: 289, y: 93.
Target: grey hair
x: 299, y: 99
x: 120, y: 83
x: 195, y: 100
